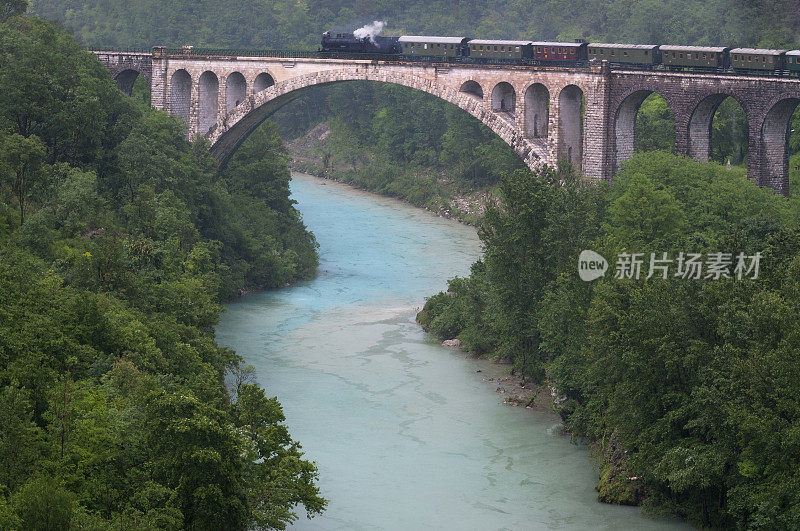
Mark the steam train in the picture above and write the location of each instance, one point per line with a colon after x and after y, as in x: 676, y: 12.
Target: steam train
x: 578, y: 53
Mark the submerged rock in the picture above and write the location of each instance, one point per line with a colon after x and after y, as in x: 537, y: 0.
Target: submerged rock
x: 455, y: 343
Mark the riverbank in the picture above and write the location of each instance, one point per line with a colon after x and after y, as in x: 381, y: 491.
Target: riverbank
x: 424, y: 188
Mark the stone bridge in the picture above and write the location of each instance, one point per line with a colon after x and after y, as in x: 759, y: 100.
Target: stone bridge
x: 585, y: 116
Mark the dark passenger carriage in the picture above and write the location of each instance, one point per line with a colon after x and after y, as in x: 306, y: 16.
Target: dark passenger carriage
x: 642, y: 55
x: 757, y: 60
x: 696, y: 57
x: 417, y: 45
x: 559, y: 52
x: 500, y: 49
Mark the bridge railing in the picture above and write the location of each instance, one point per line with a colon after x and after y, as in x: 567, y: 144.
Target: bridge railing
x: 305, y: 54
x: 116, y: 49
x: 241, y: 52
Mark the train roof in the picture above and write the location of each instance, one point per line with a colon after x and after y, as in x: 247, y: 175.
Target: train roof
x: 758, y: 51
x: 711, y: 49
x: 628, y: 46
x: 560, y: 44
x: 435, y: 40
x: 793, y: 52
x: 500, y: 42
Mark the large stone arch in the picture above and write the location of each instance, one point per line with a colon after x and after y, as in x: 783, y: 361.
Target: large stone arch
x: 537, y: 111
x: 262, y: 81
x: 472, y: 87
x: 235, y: 90
x: 180, y: 94
x: 570, y: 125
x: 126, y: 79
x: 237, y: 125
x: 624, y: 124
x: 504, y: 97
x: 700, y: 121
x: 774, y: 144
x: 208, y: 101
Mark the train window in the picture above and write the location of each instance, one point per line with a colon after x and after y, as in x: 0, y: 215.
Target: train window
x: 625, y: 54
x: 646, y: 52
x: 612, y: 53
x: 516, y: 49
x: 495, y: 48
x: 680, y: 55
x: 749, y: 58
x: 697, y: 55
x: 601, y: 52
x: 572, y: 51
x: 426, y: 45
x: 704, y: 56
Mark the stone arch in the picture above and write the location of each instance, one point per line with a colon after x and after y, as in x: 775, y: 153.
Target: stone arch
x: 504, y: 98
x: 774, y: 140
x: 126, y: 79
x: 208, y: 101
x: 235, y: 90
x: 472, y: 87
x: 624, y: 125
x: 180, y: 94
x: 570, y: 126
x: 537, y: 111
x: 239, y: 123
x: 699, y: 128
x: 262, y: 81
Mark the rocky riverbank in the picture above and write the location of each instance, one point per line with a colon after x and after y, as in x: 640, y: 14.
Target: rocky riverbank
x: 315, y: 153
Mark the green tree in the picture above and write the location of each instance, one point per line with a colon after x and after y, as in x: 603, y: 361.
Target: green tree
x: 21, y: 168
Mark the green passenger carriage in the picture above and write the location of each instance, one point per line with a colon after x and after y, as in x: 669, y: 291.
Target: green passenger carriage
x: 644, y: 55
x: 699, y: 57
x: 752, y: 59
x: 431, y: 46
x: 500, y: 49
x: 793, y: 61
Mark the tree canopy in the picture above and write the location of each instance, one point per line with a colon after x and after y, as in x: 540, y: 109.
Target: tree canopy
x: 118, y: 241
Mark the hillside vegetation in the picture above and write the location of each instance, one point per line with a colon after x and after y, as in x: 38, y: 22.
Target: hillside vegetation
x: 118, y: 240
x: 690, y: 388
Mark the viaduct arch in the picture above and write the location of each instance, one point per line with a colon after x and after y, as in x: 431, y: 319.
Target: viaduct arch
x: 546, y: 114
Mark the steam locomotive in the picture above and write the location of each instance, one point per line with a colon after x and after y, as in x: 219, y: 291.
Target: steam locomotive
x: 578, y: 53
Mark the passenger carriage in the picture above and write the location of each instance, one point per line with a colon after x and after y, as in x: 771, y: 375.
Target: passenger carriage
x: 500, y: 50
x: 626, y: 55
x: 444, y: 47
x: 752, y: 60
x: 708, y: 58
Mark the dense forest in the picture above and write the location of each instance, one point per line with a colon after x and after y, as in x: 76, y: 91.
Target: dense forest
x: 118, y: 241
x: 689, y: 387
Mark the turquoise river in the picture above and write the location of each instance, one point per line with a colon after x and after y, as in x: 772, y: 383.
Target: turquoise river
x: 406, y: 433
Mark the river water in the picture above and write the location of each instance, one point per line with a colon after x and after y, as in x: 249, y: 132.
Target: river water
x: 405, y: 433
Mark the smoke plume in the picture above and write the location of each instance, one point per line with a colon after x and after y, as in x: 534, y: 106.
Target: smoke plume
x: 370, y: 30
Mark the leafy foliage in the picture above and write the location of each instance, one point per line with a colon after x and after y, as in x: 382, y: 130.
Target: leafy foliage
x: 118, y: 240
x: 697, y: 380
